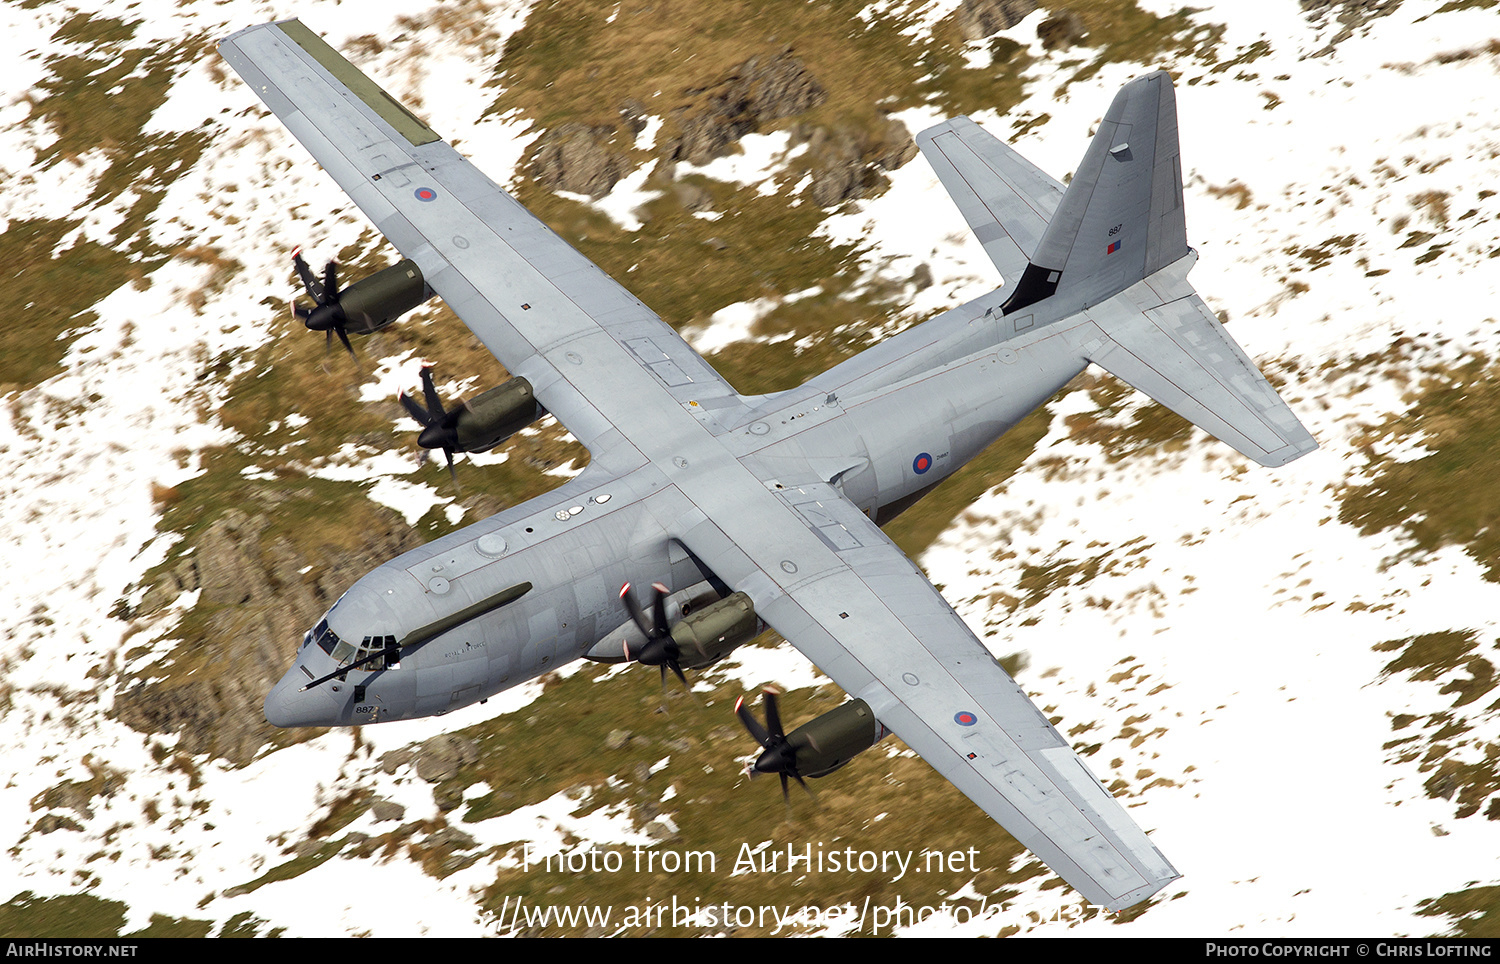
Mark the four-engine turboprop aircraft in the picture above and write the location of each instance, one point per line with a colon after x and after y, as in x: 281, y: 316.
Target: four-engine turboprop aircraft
x: 744, y: 511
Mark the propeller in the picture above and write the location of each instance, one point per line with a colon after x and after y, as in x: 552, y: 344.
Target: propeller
x: 779, y: 755
x: 327, y: 315
x: 660, y: 649
x: 439, y: 427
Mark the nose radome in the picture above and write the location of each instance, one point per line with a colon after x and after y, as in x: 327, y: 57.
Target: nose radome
x: 286, y: 705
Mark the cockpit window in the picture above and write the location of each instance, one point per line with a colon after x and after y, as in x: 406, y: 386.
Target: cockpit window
x: 329, y: 642
x: 371, y: 645
x: 344, y: 651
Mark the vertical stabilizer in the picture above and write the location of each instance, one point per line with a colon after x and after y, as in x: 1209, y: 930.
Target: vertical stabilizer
x: 1121, y: 217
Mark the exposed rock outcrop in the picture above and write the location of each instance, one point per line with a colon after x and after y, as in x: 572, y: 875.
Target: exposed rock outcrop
x: 384, y: 810
x: 578, y: 158
x: 983, y: 18
x: 591, y: 159
x: 849, y: 163
x: 1351, y: 15
x: 759, y: 90
x: 1062, y: 31
x: 441, y: 757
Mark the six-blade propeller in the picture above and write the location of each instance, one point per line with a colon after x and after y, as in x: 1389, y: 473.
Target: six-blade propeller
x: 327, y: 315
x: 779, y: 756
x: 660, y: 649
x: 439, y: 426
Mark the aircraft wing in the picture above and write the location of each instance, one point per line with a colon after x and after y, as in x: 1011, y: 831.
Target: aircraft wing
x: 829, y: 581
x: 1006, y: 199
x: 548, y: 314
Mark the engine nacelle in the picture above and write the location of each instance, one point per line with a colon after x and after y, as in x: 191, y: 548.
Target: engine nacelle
x: 372, y: 303
x: 491, y: 417
x: 833, y: 739
x: 698, y: 617
x: 709, y: 634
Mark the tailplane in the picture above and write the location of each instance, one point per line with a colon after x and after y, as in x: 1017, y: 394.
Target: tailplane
x: 1117, y: 223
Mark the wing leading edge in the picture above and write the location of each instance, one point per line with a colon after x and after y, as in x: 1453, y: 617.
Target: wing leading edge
x: 867, y: 617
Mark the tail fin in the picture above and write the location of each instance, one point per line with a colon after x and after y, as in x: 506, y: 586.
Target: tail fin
x: 1121, y: 217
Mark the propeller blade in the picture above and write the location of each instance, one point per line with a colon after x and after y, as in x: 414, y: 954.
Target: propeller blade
x: 416, y: 411
x: 326, y: 315
x: 779, y: 756
x: 634, y: 608
x: 659, y: 608
x: 314, y: 290
x: 773, y: 715
x: 429, y: 393
x: 438, y: 424
x: 448, y: 454
x: 660, y: 649
x: 757, y: 732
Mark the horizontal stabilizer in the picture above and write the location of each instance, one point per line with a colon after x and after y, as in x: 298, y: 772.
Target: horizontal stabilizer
x: 1005, y: 198
x: 1180, y: 355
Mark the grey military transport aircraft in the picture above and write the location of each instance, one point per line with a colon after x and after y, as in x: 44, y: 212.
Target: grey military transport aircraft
x: 746, y: 511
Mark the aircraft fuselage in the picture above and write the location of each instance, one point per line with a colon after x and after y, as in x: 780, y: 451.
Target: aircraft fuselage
x: 884, y: 427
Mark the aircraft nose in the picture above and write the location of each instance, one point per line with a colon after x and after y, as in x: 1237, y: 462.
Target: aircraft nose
x: 286, y: 705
